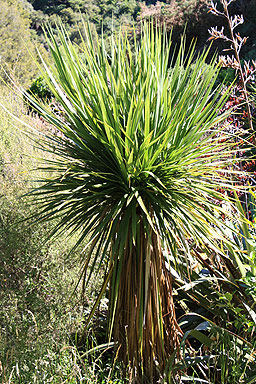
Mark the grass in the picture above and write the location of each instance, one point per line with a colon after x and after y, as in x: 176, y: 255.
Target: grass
x: 41, y: 319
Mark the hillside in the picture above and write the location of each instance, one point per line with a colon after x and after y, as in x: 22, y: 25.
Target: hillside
x: 22, y: 21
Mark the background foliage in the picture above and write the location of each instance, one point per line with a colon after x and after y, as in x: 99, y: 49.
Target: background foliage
x: 16, y: 40
x: 40, y: 330
x: 21, y: 23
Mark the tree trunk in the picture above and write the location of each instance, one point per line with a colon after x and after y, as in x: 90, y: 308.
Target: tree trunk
x: 145, y: 325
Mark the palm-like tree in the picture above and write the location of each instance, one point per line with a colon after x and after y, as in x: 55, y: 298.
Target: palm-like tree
x: 136, y: 170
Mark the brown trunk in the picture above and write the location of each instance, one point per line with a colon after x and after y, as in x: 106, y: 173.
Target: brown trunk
x: 149, y: 337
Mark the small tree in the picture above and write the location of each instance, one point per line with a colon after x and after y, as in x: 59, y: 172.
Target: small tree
x: 136, y: 171
x: 16, y: 39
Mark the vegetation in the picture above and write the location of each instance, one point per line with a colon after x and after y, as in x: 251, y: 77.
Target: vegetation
x: 15, y: 35
x: 41, y: 318
x: 150, y: 272
x: 136, y: 173
x: 103, y: 14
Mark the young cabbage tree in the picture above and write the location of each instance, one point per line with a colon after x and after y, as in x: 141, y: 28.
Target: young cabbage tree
x: 137, y: 171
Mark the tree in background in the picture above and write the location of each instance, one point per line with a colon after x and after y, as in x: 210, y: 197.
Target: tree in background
x: 194, y: 16
x: 176, y: 14
x: 16, y: 41
x: 106, y: 14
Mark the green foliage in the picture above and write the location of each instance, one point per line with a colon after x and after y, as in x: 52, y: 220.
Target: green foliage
x: 223, y: 349
x: 226, y: 75
x: 16, y: 41
x: 194, y: 16
x: 138, y: 165
x: 39, y: 328
x: 40, y: 319
x: 106, y: 14
x: 223, y: 306
x: 32, y: 294
x: 40, y: 90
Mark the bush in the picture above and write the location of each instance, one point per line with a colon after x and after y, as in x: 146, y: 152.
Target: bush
x: 40, y: 90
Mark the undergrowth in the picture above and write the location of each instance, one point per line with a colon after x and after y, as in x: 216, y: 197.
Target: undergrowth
x: 41, y: 316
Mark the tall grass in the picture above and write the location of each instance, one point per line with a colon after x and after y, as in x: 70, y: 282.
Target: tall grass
x: 41, y: 319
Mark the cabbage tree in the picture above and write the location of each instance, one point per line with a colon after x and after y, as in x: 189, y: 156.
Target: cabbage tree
x: 137, y: 171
